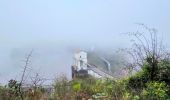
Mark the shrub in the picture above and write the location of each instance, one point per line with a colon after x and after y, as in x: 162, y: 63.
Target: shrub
x: 155, y: 91
x: 4, y: 93
x: 62, y: 89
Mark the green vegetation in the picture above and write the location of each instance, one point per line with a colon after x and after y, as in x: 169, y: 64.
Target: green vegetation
x: 139, y: 86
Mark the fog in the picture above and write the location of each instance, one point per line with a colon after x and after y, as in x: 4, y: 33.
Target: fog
x: 56, y: 29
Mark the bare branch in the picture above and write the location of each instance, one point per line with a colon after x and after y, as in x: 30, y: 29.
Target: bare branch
x: 23, y: 73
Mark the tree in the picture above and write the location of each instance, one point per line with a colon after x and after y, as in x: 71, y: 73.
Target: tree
x: 37, y: 81
x: 147, y: 50
x: 27, y: 60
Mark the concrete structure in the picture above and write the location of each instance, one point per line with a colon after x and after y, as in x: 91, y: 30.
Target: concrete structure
x: 81, y: 67
x: 80, y: 60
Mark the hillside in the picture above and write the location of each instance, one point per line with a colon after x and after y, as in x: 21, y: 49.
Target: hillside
x: 95, y: 58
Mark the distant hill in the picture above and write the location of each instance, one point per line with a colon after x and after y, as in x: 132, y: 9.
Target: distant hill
x: 115, y: 60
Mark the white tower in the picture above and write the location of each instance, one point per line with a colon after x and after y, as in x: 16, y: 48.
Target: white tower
x: 80, y: 60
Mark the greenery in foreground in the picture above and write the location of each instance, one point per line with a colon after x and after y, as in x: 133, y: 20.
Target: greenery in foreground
x: 137, y: 87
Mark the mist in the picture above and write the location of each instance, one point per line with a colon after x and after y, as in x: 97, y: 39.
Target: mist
x: 55, y: 29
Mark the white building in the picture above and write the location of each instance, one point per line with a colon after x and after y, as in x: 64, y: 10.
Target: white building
x: 80, y: 60
x: 81, y: 67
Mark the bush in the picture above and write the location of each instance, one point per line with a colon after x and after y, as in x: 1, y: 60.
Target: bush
x: 155, y: 91
x: 4, y: 93
x: 63, y: 91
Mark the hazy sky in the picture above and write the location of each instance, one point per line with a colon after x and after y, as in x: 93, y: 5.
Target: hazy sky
x: 55, y: 28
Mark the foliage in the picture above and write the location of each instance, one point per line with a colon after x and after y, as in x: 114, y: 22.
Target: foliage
x: 95, y: 89
x: 140, y: 86
x: 62, y: 89
x: 155, y: 90
x: 4, y: 93
x: 136, y: 87
x: 14, y: 89
x: 164, y: 71
x: 76, y: 86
